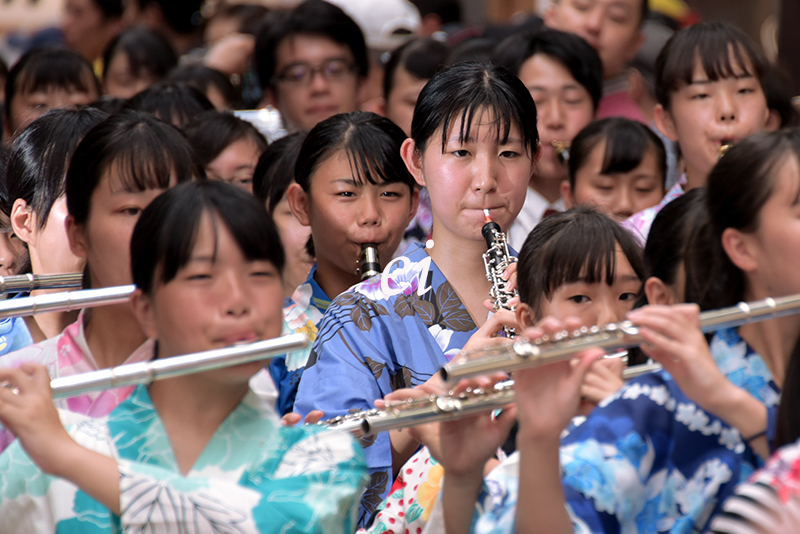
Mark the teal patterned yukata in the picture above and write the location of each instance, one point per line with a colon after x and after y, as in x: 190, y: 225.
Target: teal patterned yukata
x: 253, y: 476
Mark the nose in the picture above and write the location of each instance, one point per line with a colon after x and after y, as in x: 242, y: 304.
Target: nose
x: 623, y: 203
x: 318, y: 82
x: 369, y: 213
x: 234, y: 295
x: 726, y: 107
x: 606, y: 312
x: 484, y: 177
x: 593, y: 21
x: 553, y: 115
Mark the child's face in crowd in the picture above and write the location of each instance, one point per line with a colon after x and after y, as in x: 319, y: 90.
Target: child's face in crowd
x: 294, y: 237
x: 610, y: 26
x: 705, y: 115
x: 403, y: 98
x: 27, y: 107
x: 331, y: 87
x: 235, y: 164
x: 119, y: 81
x: 86, y: 30
x: 344, y: 213
x: 564, y: 108
x: 466, y: 178
x: 618, y: 195
x: 598, y: 303
x: 217, y: 299
x: 104, y: 240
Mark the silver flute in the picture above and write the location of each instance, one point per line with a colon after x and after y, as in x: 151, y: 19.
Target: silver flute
x: 131, y: 374
x: 65, y: 301
x: 496, y: 259
x: 32, y: 282
x: 613, y: 337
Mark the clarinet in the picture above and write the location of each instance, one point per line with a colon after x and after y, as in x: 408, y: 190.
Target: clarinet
x: 369, y: 264
x: 496, y: 259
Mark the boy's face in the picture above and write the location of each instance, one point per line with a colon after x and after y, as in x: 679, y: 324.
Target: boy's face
x: 25, y: 108
x: 86, y: 30
x: 563, y: 105
x: 618, y: 195
x: 705, y: 115
x: 315, y: 78
x: 612, y: 27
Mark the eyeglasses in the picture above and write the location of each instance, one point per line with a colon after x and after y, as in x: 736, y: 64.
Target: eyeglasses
x: 301, y: 73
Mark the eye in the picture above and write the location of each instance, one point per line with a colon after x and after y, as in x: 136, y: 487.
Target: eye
x: 198, y: 276
x: 627, y: 297
x: 131, y: 211
x: 391, y: 194
x: 579, y: 299
x: 700, y: 96
x: 509, y: 154
x: 460, y: 153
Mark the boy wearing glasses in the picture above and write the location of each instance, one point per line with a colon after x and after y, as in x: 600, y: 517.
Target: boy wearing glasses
x: 311, y: 62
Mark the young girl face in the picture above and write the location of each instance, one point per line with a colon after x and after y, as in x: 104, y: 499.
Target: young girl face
x: 704, y: 115
x: 235, y: 164
x: 104, y: 240
x: 773, y: 250
x: 618, y: 195
x: 217, y: 299
x: 464, y: 178
x: 344, y: 212
x: 598, y: 303
x: 120, y: 81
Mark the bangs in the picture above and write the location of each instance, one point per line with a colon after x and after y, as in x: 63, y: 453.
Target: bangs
x: 166, y: 233
x: 500, y: 118
x: 578, y: 254
x: 625, y: 150
x: 56, y: 73
x: 374, y: 156
x: 722, y: 50
x: 137, y: 173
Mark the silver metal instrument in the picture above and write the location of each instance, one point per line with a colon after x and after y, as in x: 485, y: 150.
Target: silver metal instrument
x: 612, y: 337
x: 369, y: 265
x: 131, y: 374
x: 32, y: 282
x: 496, y: 259
x: 66, y: 301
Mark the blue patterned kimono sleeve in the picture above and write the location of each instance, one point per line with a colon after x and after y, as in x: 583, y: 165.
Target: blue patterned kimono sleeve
x: 313, y: 488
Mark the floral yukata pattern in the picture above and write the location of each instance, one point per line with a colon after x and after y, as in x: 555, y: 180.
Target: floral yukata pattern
x: 647, y: 459
x: 378, y: 337
x: 253, y: 476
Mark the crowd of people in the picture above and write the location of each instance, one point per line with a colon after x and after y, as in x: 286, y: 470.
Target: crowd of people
x: 233, y: 161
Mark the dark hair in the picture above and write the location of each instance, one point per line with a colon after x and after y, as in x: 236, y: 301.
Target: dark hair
x: 472, y: 49
x: 579, y: 244
x: 148, y: 52
x: 449, y: 11
x: 213, y: 131
x: 166, y: 232
x: 779, y: 97
x: 144, y: 152
x: 39, y: 156
x: 468, y: 89
x: 203, y: 77
x: 711, y: 43
x: 627, y: 143
x: 570, y: 50
x: 274, y: 172
x: 371, y: 142
x: 312, y: 17
x: 45, y: 68
x: 738, y: 187
x: 176, y: 103
x: 422, y: 58
x: 248, y: 15
x: 182, y: 16
x: 112, y: 9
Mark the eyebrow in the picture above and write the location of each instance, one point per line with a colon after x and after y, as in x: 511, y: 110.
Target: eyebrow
x: 471, y: 139
x: 628, y: 278
x: 704, y: 81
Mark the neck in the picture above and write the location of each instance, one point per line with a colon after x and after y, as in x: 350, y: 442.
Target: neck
x: 191, y: 409
x: 694, y: 178
x: 46, y: 325
x: 461, y: 263
x: 112, y: 333
x: 550, y: 189
x: 774, y: 341
x: 332, y: 280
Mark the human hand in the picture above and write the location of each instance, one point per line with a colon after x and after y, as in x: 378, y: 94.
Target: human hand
x: 26, y: 408
x: 292, y: 419
x: 548, y: 396
x: 603, y: 379
x: 510, y: 276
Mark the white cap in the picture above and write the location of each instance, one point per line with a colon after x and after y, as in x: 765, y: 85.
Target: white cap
x: 386, y: 23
